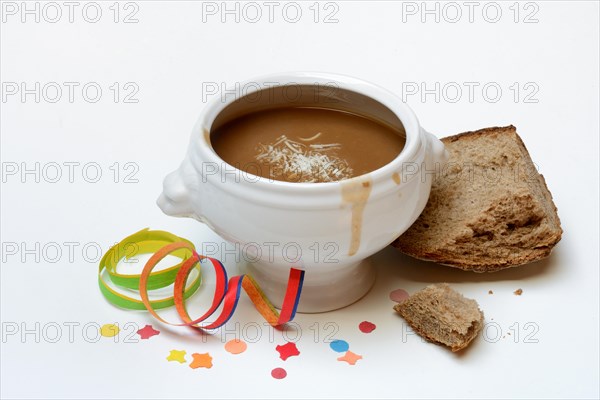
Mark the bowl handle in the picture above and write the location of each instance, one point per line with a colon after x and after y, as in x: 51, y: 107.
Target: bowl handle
x: 176, y: 198
x: 438, y: 153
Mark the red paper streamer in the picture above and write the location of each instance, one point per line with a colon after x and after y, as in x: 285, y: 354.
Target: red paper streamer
x: 227, y: 292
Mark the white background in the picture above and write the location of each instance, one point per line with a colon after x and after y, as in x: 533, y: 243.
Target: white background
x: 171, y: 54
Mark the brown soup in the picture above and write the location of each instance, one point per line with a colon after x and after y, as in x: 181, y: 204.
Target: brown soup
x: 301, y: 144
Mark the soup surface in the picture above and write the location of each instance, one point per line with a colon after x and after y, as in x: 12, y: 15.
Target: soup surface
x: 301, y: 144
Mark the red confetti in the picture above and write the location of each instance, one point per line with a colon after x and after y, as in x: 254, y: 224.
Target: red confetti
x: 366, y: 327
x: 287, y: 350
x: 147, y: 332
x: 278, y: 373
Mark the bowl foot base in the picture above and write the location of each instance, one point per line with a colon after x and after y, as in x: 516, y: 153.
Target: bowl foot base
x: 322, y: 291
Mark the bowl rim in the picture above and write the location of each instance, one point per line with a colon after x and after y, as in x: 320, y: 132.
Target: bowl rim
x: 401, y: 110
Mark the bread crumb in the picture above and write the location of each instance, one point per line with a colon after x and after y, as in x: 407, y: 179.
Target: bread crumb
x: 518, y: 292
x: 442, y: 315
x: 490, y: 292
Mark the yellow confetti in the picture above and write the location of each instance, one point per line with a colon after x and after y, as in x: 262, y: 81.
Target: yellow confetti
x: 109, y: 330
x: 177, y: 355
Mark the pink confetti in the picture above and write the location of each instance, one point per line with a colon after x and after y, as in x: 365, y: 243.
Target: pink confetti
x: 287, y: 350
x: 399, y: 295
x: 366, y: 327
x: 350, y: 357
x: 278, y: 373
x: 236, y: 346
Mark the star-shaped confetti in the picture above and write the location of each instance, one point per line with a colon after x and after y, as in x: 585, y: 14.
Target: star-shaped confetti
x: 287, y: 350
x: 203, y: 360
x: 350, y: 357
x: 147, y: 332
x: 177, y: 355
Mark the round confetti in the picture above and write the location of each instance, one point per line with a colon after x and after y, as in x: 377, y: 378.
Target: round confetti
x: 366, y: 327
x: 339, y: 345
x: 109, y: 330
x: 278, y: 373
x: 399, y: 295
x: 236, y: 346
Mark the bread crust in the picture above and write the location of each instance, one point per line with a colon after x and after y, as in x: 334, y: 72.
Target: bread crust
x: 480, y: 132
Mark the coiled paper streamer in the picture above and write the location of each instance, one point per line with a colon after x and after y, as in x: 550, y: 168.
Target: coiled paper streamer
x: 227, y: 291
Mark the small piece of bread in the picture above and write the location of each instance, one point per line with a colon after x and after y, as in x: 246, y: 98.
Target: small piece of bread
x: 442, y: 315
x: 489, y: 208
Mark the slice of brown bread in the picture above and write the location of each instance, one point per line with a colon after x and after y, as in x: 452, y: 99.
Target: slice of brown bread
x: 442, y: 315
x: 489, y: 208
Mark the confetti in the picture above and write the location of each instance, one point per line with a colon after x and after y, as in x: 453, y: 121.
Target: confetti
x: 177, y: 355
x: 366, y: 327
x: 339, y: 346
x: 287, y: 350
x: 147, y: 332
x: 236, y: 346
x: 109, y: 330
x: 399, y: 295
x: 518, y: 292
x: 350, y: 357
x: 278, y: 373
x: 203, y: 360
